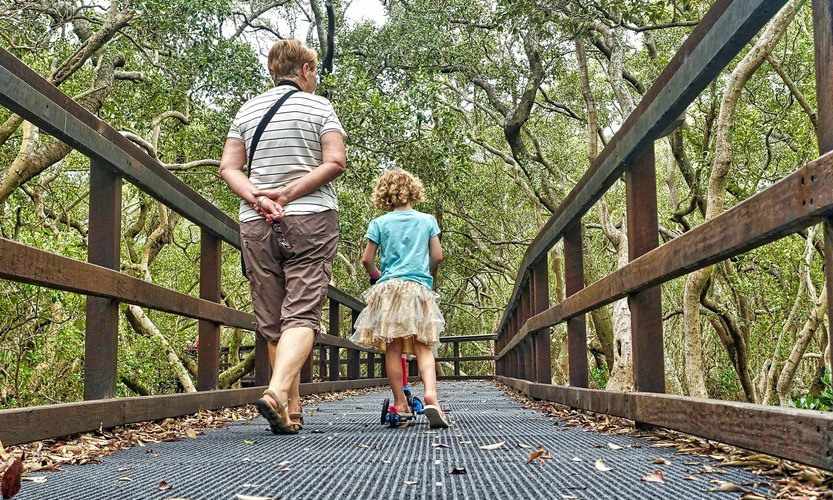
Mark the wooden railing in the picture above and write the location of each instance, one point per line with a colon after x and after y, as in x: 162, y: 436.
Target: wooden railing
x: 112, y: 159
x: 371, y: 365
x: 800, y: 200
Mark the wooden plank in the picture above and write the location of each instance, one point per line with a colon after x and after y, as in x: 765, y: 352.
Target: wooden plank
x: 798, y: 201
x: 467, y: 338
x: 329, y: 340
x: 823, y: 38
x: 23, y: 425
x: 20, y: 262
x: 101, y: 339
x: 208, y: 366
x: 576, y: 327
x: 463, y: 359
x: 646, y: 305
x: 541, y: 301
x: 345, y: 299
x: 805, y: 436
x: 718, y: 38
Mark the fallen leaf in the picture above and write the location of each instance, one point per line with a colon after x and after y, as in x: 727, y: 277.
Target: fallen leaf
x: 249, y: 441
x: 410, y: 483
x: 4, y: 457
x: 125, y: 478
x: 363, y: 445
x: 614, y: 446
x: 576, y: 459
x: 250, y: 497
x: 654, y: 477
x: 10, y: 484
x: 492, y: 446
x: 751, y: 496
x: 724, y: 486
x: 540, y: 455
x: 440, y: 445
x: 661, y: 461
x: 35, y: 479
x: 164, y: 485
x: 191, y: 433
x: 601, y: 466
x: 284, y: 463
x: 456, y: 471
x: 521, y: 445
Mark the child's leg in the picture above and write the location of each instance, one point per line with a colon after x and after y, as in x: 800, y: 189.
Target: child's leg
x: 393, y: 367
x: 427, y: 371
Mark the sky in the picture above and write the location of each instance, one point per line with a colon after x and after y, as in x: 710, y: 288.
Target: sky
x: 366, y: 10
x: 357, y: 11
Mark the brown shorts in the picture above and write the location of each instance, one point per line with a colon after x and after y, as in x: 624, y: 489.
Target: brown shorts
x: 289, y: 284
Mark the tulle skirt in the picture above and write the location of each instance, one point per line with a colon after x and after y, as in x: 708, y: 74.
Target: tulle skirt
x: 399, y: 309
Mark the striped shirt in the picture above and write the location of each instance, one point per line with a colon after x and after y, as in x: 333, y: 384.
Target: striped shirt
x: 289, y: 148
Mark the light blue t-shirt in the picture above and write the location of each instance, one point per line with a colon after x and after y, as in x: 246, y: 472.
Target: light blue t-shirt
x: 402, y: 237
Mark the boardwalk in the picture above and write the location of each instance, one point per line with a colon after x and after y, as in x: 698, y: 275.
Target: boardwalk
x: 344, y: 453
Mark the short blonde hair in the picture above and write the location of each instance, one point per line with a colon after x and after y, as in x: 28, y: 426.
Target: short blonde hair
x: 287, y: 57
x: 396, y: 188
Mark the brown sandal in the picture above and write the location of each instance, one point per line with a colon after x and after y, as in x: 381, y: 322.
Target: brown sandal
x: 297, y: 419
x: 275, y: 413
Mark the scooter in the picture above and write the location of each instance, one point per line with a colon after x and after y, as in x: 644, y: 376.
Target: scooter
x: 390, y: 415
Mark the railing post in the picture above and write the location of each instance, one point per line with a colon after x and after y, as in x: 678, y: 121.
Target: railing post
x: 263, y: 367
x: 456, y: 346
x: 540, y: 302
x: 823, y: 37
x: 355, y: 356
x: 527, y: 358
x: 576, y: 327
x: 101, y: 338
x: 306, y: 369
x: 322, y: 362
x: 371, y: 365
x: 413, y: 369
x: 335, y: 328
x: 645, y: 306
x: 208, y: 356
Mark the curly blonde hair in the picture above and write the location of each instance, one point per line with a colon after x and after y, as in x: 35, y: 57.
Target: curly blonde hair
x: 396, y: 188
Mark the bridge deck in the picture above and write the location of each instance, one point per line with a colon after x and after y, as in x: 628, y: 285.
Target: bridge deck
x: 343, y: 452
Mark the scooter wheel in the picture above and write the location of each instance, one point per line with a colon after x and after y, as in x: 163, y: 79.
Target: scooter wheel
x: 417, y: 407
x: 394, y: 420
x: 385, y: 406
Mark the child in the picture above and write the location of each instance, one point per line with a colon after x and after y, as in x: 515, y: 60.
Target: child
x: 402, y: 315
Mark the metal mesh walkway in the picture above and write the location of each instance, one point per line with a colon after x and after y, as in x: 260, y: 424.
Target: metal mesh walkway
x: 343, y: 452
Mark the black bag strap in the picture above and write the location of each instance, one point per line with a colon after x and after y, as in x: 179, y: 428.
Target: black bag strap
x: 262, y: 126
x: 259, y: 132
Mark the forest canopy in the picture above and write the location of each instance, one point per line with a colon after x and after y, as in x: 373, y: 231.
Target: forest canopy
x: 498, y: 106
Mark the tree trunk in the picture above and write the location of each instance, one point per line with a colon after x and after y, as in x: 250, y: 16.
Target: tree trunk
x: 144, y: 326
x: 715, y: 199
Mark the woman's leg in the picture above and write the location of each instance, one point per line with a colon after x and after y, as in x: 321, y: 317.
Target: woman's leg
x: 393, y: 367
x: 427, y: 371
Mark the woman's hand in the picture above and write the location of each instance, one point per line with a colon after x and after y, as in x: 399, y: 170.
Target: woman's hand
x: 277, y: 195
x: 268, y: 208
